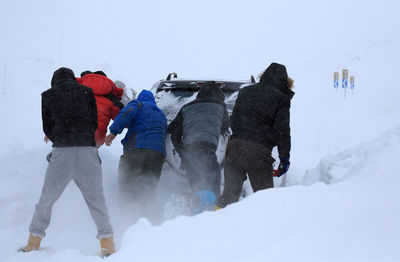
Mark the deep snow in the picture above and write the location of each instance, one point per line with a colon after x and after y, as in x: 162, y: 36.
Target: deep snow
x: 341, y: 199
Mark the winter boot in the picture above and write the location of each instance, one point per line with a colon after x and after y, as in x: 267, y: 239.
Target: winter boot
x: 205, y: 201
x: 33, y: 243
x: 107, y: 246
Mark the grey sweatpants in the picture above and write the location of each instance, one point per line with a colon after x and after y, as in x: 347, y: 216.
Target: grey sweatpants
x: 83, y: 165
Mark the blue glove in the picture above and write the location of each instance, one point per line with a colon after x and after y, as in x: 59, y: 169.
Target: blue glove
x: 283, y: 167
x: 205, y: 201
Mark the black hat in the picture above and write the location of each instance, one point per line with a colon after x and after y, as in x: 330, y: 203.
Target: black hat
x: 62, y: 74
x: 100, y: 73
x: 86, y: 73
x: 212, y: 90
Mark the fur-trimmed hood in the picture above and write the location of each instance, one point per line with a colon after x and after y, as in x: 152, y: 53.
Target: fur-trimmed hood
x: 276, y: 75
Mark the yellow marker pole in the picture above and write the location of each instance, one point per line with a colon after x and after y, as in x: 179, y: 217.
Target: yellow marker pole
x: 345, y: 75
x: 336, y: 80
x: 352, y: 84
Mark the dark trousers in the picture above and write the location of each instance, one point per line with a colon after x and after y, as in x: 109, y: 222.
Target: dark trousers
x: 245, y: 157
x: 201, y: 167
x: 139, y: 172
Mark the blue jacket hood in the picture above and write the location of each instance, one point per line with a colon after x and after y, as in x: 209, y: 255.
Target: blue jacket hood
x: 146, y: 95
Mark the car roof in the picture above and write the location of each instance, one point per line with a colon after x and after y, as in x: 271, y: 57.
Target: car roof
x: 175, y: 84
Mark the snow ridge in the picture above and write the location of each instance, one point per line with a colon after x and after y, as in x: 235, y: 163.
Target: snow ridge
x: 334, y: 168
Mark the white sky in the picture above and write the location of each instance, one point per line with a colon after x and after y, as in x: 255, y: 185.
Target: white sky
x: 353, y: 144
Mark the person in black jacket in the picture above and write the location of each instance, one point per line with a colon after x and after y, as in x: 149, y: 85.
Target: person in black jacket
x: 260, y: 120
x: 69, y: 117
x: 195, y: 133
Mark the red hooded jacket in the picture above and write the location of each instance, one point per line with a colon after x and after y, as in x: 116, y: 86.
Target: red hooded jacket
x: 108, y: 97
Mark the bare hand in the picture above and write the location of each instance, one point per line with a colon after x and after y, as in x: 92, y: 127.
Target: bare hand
x: 109, y: 139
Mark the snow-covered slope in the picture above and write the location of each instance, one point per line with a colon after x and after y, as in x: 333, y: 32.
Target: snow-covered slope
x: 340, y: 202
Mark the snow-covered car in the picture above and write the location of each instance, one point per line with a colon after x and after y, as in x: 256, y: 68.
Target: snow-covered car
x: 173, y: 92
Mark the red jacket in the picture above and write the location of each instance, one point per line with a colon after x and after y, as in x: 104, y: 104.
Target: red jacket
x: 108, y: 97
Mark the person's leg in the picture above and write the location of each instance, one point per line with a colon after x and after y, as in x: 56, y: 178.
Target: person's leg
x: 151, y: 163
x: 128, y: 169
x: 201, y: 167
x: 123, y: 170
x: 202, y: 170
x: 234, y: 174
x: 88, y: 177
x: 59, y: 173
x: 259, y: 166
x: 214, y: 173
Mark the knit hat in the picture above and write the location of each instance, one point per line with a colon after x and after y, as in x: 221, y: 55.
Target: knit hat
x: 100, y: 73
x: 62, y: 73
x: 86, y: 73
x: 211, y: 89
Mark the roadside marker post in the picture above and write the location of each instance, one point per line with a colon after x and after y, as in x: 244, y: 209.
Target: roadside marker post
x: 345, y: 76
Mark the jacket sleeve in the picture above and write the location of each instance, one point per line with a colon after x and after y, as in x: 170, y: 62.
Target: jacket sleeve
x: 282, y: 126
x: 124, y: 118
x: 117, y: 105
x: 48, y: 121
x: 176, y: 131
x: 225, y: 122
x: 114, y: 112
x: 93, y: 107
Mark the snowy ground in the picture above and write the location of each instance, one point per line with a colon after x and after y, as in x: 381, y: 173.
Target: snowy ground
x: 341, y: 200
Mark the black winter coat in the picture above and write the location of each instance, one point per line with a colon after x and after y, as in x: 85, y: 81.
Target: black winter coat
x: 69, y: 114
x: 261, y: 113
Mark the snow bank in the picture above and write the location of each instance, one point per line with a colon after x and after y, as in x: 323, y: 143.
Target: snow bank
x: 340, y: 202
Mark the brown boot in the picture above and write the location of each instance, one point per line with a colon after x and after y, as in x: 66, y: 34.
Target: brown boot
x: 33, y: 243
x: 107, y: 246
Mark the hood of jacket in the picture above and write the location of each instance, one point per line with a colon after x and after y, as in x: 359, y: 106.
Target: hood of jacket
x: 101, y: 85
x: 276, y: 75
x: 210, y: 89
x: 146, y: 95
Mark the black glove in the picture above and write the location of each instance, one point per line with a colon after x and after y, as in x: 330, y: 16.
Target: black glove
x: 177, y: 151
x: 226, y: 134
x: 283, y: 167
x: 48, y: 157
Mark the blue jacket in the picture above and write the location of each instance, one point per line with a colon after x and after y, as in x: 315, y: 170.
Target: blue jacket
x: 146, y: 123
